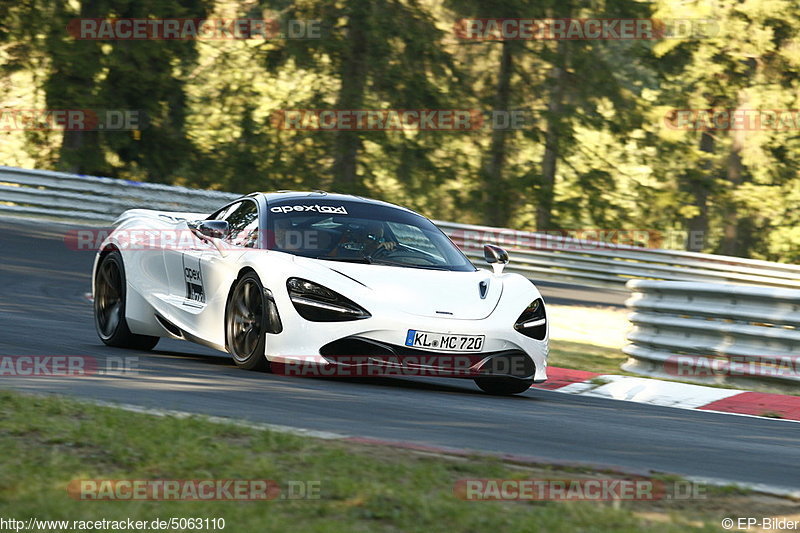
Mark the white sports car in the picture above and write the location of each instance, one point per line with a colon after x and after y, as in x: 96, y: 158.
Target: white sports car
x: 299, y: 280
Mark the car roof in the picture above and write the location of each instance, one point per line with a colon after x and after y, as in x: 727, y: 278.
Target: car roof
x: 284, y: 196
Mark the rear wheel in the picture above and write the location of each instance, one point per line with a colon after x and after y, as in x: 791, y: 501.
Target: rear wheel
x: 503, y: 386
x: 245, y: 324
x: 109, y: 306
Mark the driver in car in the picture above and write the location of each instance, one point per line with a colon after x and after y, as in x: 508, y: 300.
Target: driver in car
x: 366, y: 240
x: 375, y: 238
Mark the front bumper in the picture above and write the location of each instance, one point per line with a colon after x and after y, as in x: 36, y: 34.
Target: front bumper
x: 375, y: 346
x: 356, y: 354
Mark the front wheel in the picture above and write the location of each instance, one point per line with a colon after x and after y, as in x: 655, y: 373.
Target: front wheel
x: 503, y: 386
x: 245, y: 324
x: 109, y: 306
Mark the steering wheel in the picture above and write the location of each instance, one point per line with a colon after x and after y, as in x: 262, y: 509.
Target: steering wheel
x: 380, y: 251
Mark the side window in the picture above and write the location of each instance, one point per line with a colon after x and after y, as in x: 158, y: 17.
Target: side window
x: 223, y: 213
x: 243, y: 221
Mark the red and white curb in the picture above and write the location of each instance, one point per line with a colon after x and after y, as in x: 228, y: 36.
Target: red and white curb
x: 672, y: 394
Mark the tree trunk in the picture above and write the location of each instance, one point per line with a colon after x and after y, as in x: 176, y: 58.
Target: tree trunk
x: 497, y: 201
x: 732, y: 240
x: 353, y: 74
x: 544, y: 209
x: 698, y: 187
x: 79, y: 151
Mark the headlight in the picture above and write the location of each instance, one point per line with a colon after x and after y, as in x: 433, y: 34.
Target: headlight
x: 533, y: 321
x: 320, y: 304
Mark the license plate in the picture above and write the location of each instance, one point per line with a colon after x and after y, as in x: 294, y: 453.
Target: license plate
x: 445, y: 342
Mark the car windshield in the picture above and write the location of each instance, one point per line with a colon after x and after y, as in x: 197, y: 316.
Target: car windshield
x: 360, y: 232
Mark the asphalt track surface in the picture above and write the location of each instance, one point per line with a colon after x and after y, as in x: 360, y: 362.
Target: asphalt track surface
x: 44, y: 311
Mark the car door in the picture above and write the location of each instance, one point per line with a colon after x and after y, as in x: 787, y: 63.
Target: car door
x: 200, y: 274
x: 186, y: 287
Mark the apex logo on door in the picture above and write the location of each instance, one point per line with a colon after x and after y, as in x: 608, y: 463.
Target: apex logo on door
x: 193, y: 276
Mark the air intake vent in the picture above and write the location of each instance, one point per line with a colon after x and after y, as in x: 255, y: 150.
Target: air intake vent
x: 169, y: 326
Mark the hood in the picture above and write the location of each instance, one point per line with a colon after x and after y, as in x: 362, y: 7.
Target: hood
x: 423, y: 292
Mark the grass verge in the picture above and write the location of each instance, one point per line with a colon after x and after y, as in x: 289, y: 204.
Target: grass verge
x: 590, y: 357
x: 49, y: 441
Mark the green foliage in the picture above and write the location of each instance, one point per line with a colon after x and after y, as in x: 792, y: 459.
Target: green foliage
x: 595, y: 150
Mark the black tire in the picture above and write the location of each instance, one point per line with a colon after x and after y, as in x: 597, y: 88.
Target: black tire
x: 246, y: 324
x: 110, y: 291
x: 503, y: 386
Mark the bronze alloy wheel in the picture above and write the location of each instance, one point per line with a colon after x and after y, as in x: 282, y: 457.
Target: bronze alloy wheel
x: 246, y: 324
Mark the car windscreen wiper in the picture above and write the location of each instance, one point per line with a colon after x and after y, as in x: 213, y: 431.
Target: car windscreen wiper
x: 363, y: 259
x: 389, y: 262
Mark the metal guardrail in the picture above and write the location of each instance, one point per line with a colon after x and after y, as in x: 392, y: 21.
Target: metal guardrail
x: 535, y: 255
x: 82, y: 198
x: 571, y: 260
x: 714, y: 332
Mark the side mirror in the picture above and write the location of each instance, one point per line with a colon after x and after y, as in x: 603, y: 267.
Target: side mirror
x: 214, y: 229
x: 495, y: 256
